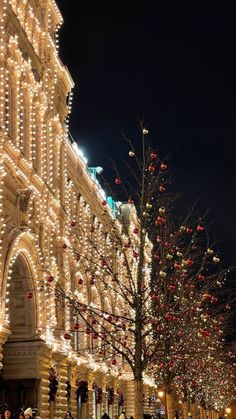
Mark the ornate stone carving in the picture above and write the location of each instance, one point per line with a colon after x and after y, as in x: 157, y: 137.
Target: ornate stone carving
x: 23, y: 201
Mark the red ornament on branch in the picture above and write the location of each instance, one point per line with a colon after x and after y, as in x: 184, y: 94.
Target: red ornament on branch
x: 103, y: 263
x: 135, y: 230
x: 163, y: 166
x: 201, y: 277
x: 113, y: 362
x: 153, y: 156
x: 104, y: 203
x: 64, y: 246
x: 189, y: 230
x: 162, y: 188
x: 154, y: 297
x: 200, y: 228
x: 80, y: 281
x: 76, y: 326
x: 131, y: 201
x: 73, y: 223
x: 67, y: 336
x: 118, y: 181
x: 29, y: 295
x: 50, y: 278
x: 151, y: 168
x: 160, y: 220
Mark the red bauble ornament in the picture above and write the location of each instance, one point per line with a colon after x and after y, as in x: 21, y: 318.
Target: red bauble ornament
x: 113, y: 362
x: 154, y: 297
x: 167, y: 244
x: 163, y: 166
x: 87, y: 330
x: 135, y: 254
x: 177, y: 265
x: 67, y: 336
x: 76, y: 326
x: 206, y: 296
x: 189, y: 262
x: 180, y: 333
x: 92, y: 229
x: 168, y: 317
x: 94, y: 321
x: 171, y: 364
x: 118, y: 181
x: 162, y: 188
x: 95, y: 336
x: 189, y: 230
x: 156, y: 256
x: 214, y: 299
x: 201, y: 277
x: 92, y: 281
x: 104, y: 203
x: 80, y: 281
x: 77, y: 258
x: 131, y: 201
x: 73, y: 223
x: 151, y: 168
x: 50, y: 278
x: 135, y: 230
x: 64, y: 246
x: 159, y: 329
x: 200, y: 228
x: 103, y: 263
x: 30, y: 295
x: 153, y: 156
x: 172, y: 287
x: 109, y: 318
x: 160, y: 220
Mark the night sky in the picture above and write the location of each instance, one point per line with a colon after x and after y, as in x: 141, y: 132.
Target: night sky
x: 173, y: 65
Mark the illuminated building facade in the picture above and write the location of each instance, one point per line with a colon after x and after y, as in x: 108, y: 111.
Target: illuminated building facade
x: 44, y: 186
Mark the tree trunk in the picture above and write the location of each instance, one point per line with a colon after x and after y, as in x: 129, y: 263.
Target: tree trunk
x: 138, y: 398
x: 170, y: 406
x: 185, y: 409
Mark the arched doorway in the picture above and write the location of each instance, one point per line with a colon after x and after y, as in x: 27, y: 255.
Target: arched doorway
x: 19, y: 386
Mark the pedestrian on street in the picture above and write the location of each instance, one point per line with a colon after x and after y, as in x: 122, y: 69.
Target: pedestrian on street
x: 122, y: 416
x: 68, y: 415
x: 7, y: 413
x: 105, y: 416
x: 21, y: 415
x: 28, y: 413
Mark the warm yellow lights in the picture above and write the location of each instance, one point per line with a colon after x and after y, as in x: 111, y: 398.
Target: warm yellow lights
x: 228, y: 410
x: 160, y: 394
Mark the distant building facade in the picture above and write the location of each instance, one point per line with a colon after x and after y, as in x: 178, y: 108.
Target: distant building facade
x: 44, y: 185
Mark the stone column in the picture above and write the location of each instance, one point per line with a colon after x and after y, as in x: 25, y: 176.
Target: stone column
x: 90, y: 405
x: 193, y: 410
x: 4, y: 333
x: 73, y: 407
x: 62, y: 374
x: 201, y: 413
x: 115, y: 405
x: 186, y: 408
